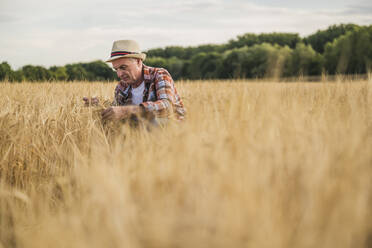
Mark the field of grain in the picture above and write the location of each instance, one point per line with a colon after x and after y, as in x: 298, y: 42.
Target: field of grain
x: 255, y: 164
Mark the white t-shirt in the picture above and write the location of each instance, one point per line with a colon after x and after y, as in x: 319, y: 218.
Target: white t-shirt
x: 137, y: 94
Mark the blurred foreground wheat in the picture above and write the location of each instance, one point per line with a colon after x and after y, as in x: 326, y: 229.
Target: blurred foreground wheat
x: 254, y: 165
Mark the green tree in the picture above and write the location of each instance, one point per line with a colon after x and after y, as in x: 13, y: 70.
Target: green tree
x: 250, y: 39
x: 322, y: 37
x: 156, y: 62
x: 304, y: 61
x: 281, y: 39
x: 98, y: 71
x: 261, y: 60
x: 76, y: 72
x: 232, y: 61
x: 184, y: 53
x: 5, y: 71
x: 155, y: 52
x: 350, y: 53
x: 17, y: 76
x: 175, y: 67
x: 205, y: 65
x: 36, y: 73
x: 58, y: 73
x: 174, y: 51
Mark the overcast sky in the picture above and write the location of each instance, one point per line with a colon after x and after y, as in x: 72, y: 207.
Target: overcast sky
x: 49, y: 33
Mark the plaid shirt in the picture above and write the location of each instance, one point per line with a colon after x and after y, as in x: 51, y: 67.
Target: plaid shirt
x: 160, y: 96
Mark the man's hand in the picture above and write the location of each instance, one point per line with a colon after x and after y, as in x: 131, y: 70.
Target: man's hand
x: 91, y: 102
x: 120, y: 112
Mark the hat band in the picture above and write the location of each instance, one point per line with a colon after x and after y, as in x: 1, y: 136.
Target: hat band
x: 120, y: 53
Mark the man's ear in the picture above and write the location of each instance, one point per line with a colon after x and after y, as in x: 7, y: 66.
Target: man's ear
x: 139, y: 63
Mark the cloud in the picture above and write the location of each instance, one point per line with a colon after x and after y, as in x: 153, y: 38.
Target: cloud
x: 49, y: 33
x: 4, y: 18
x: 359, y: 9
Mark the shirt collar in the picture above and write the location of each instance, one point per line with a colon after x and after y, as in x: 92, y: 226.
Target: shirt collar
x: 146, y: 73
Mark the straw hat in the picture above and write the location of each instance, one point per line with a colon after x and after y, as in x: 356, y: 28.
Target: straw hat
x: 126, y: 49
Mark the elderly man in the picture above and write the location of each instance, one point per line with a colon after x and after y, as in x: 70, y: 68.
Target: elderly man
x: 142, y: 91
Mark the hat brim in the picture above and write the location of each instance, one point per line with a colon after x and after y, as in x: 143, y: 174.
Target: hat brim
x: 137, y: 56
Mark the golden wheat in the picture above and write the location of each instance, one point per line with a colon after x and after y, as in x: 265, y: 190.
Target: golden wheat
x: 254, y: 165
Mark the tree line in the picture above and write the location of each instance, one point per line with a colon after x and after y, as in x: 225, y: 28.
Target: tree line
x: 93, y: 71
x: 339, y: 49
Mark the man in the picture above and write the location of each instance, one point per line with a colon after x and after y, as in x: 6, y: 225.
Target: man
x: 142, y: 91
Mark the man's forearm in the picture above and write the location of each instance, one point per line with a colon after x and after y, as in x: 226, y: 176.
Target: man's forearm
x: 160, y: 108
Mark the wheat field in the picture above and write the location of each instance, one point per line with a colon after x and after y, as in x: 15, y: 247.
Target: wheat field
x: 255, y: 164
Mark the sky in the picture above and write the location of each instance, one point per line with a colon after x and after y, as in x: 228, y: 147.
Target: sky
x: 48, y: 33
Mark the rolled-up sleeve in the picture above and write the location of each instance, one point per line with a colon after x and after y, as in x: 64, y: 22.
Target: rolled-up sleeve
x: 165, y: 94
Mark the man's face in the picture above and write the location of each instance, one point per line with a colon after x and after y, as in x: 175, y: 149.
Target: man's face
x: 128, y: 69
